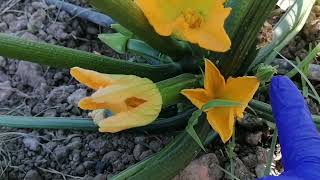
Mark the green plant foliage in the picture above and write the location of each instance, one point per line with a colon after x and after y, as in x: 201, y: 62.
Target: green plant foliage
x: 220, y: 103
x: 124, y: 31
x: 61, y: 57
x: 190, y: 127
x: 116, y: 41
x: 287, y: 27
x: 128, y: 14
x: 265, y: 73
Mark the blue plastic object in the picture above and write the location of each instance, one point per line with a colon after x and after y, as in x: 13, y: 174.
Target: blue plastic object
x: 298, y: 136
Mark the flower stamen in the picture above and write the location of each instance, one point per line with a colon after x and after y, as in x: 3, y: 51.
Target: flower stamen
x: 192, y: 18
x: 134, y: 102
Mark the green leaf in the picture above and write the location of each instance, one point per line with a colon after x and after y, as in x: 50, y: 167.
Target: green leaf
x: 220, y: 103
x: 116, y: 41
x: 307, y: 60
x: 141, y: 48
x: 303, y: 76
x: 124, y: 31
x: 190, y: 127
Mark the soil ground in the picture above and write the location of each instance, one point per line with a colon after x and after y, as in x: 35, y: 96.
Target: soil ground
x: 28, y: 89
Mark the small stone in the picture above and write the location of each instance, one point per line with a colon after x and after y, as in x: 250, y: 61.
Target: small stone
x: 57, y: 31
x: 80, y: 170
x: 92, y: 30
x: 91, y: 155
x: 30, y: 74
x: 111, y: 156
x: 18, y: 25
x: 100, y: 177
x: 50, y: 146
x: 137, y: 151
x: 250, y: 160
x: 204, y: 167
x: 262, y: 155
x: 74, y: 145
x: 61, y: 153
x: 140, y: 139
x: 9, y: 18
x: 254, y: 138
x: 59, y: 94
x: 89, y: 164
x: 50, y: 113
x: 241, y: 171
x: 259, y: 170
x: 3, y: 62
x: 155, y: 146
x: 36, y: 20
x: 32, y: 175
x: 76, y: 96
x: 145, y: 154
x: 39, y: 5
x: 31, y: 143
x: 3, y: 27
x: 5, y: 90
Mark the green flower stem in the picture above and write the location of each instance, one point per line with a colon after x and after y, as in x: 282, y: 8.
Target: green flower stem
x: 57, y: 56
x: 47, y: 122
x: 170, y: 90
x: 160, y: 125
x: 128, y: 14
x: 271, y: 152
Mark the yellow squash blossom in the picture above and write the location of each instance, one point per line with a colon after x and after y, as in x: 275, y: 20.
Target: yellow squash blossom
x: 134, y: 101
x: 197, y: 21
x: 239, y: 89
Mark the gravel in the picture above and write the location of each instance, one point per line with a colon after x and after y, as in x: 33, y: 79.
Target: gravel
x: 29, y: 89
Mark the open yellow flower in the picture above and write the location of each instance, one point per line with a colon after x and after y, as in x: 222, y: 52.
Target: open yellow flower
x: 241, y: 89
x: 200, y: 22
x: 134, y: 101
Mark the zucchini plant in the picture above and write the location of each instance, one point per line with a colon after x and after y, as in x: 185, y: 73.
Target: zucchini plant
x: 182, y: 37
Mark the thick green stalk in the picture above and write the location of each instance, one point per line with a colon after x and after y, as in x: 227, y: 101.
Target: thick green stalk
x: 244, y: 38
x: 128, y: 14
x: 57, y: 56
x: 169, y: 161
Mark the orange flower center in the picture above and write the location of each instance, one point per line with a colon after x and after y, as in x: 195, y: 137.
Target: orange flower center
x: 192, y: 18
x: 134, y: 102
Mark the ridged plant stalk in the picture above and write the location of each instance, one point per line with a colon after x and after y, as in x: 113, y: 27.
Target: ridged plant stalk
x: 128, y: 14
x: 61, y: 57
x: 254, y: 14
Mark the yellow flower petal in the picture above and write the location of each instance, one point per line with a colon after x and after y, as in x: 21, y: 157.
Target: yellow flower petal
x: 213, y: 79
x: 241, y: 89
x: 92, y: 79
x: 222, y: 121
x: 134, y: 101
x: 198, y: 97
x: 89, y: 103
x: 198, y: 22
x: 139, y: 116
